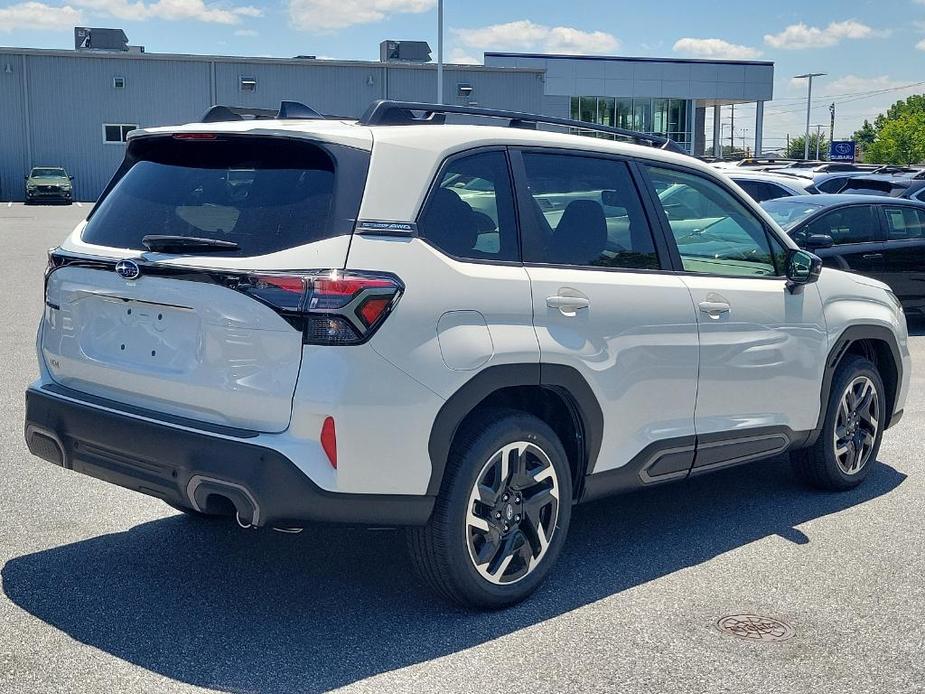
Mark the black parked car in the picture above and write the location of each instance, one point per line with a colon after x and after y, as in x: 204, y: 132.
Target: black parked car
x: 909, y: 185
x: 874, y: 235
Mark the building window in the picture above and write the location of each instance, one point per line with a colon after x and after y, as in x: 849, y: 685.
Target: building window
x: 118, y: 83
x: 117, y: 133
x: 248, y: 84
x: 667, y: 117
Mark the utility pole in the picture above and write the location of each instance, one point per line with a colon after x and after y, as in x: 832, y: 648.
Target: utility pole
x: 744, y: 146
x: 809, y: 104
x: 832, y: 122
x: 732, y: 128
x: 819, y: 128
x: 439, y: 51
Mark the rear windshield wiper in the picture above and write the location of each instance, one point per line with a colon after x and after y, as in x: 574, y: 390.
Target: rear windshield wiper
x: 185, y: 244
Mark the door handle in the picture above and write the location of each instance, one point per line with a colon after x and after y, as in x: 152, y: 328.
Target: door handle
x: 872, y: 256
x: 714, y: 309
x: 567, y: 304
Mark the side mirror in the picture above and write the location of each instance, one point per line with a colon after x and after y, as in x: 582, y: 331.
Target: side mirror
x: 25, y: 178
x: 70, y: 178
x: 802, y: 268
x: 815, y: 241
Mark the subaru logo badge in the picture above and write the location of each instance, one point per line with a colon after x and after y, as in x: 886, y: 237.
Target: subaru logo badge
x: 128, y: 269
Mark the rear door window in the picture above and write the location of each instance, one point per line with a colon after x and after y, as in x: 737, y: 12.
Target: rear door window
x: 905, y: 222
x: 585, y: 211
x: 264, y: 194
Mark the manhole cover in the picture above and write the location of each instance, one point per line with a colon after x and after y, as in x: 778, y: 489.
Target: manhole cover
x: 755, y: 628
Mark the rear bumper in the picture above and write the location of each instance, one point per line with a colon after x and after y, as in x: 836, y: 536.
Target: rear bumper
x: 193, y: 468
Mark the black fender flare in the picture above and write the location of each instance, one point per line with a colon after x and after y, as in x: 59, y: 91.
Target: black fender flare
x: 849, y: 336
x: 566, y: 380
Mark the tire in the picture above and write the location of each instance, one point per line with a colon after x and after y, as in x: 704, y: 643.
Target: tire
x: 534, y: 498
x: 825, y: 466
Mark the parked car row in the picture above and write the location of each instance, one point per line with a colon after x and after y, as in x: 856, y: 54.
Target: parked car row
x: 873, y: 235
x: 856, y: 218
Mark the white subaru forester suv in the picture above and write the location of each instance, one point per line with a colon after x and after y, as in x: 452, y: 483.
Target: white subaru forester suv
x: 465, y: 329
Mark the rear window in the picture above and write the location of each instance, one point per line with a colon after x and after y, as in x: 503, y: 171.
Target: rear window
x: 264, y: 194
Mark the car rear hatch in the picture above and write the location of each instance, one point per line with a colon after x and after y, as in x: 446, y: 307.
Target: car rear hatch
x: 178, y: 294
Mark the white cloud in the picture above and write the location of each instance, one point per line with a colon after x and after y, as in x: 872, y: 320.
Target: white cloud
x: 715, y: 48
x: 798, y: 36
x: 246, y: 32
x: 173, y: 10
x: 460, y: 57
x: 920, y: 45
x: 38, y: 15
x: 524, y: 35
x: 851, y: 84
x: 327, y: 15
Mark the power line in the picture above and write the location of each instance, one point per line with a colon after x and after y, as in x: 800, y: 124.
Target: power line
x: 856, y: 96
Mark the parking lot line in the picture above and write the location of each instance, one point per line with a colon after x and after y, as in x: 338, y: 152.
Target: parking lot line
x: 79, y: 204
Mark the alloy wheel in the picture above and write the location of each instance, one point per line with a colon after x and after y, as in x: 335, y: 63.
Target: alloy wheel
x: 512, y: 513
x: 856, y: 425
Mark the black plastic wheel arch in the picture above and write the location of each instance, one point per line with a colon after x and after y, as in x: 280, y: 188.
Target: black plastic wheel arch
x: 565, y: 380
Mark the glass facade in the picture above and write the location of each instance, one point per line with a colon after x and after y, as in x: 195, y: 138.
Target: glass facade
x: 670, y: 117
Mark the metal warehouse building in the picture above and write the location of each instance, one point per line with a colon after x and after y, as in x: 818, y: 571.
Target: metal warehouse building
x: 73, y: 108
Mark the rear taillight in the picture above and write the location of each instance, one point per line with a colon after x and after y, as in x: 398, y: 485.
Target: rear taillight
x: 335, y: 307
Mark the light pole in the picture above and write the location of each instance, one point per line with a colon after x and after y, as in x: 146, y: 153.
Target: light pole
x: 744, y: 132
x: 440, y: 52
x: 809, y: 102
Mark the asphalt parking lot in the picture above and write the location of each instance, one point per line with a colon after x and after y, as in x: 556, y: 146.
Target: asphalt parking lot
x: 104, y: 590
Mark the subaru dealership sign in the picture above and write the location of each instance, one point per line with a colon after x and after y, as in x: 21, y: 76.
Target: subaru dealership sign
x: 842, y: 150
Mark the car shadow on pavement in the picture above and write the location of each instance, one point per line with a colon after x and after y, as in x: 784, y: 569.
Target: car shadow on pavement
x: 208, y: 604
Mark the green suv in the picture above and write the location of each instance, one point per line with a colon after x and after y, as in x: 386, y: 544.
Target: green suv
x: 49, y: 183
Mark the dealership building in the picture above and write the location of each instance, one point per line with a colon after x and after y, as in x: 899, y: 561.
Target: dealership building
x: 73, y: 108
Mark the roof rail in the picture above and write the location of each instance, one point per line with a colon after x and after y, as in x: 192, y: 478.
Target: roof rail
x: 287, y: 110
x: 386, y: 112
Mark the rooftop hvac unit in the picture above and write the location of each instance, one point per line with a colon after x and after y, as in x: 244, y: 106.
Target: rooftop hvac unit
x: 98, y: 39
x: 404, y: 51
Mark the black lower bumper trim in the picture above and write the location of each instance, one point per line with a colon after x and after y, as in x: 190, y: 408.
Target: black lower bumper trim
x: 172, y: 464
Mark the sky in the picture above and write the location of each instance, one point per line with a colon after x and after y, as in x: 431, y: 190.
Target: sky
x: 873, y: 51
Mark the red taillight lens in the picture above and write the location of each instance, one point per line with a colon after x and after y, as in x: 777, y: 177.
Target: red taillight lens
x: 332, y: 308
x: 372, y: 308
x: 329, y: 440
x: 195, y: 136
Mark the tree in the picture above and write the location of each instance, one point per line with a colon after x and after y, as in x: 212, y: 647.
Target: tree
x: 901, y: 140
x: 795, y: 151
x: 865, y: 136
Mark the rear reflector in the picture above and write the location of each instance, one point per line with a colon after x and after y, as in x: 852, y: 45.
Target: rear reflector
x: 329, y: 440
